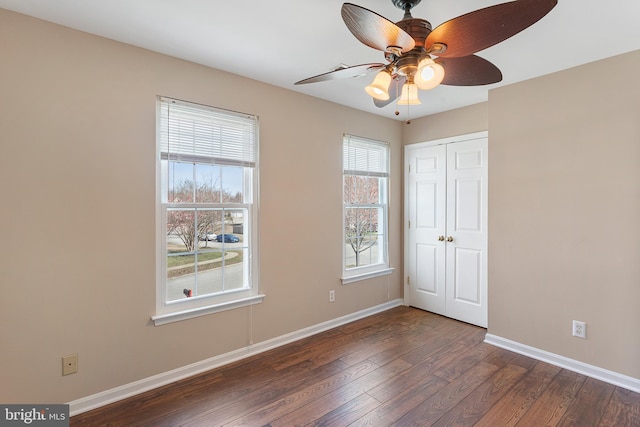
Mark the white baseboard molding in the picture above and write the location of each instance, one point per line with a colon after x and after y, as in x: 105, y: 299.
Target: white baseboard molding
x: 122, y: 392
x: 601, y: 374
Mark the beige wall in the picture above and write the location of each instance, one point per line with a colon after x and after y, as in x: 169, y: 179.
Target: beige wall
x: 461, y: 121
x: 564, y: 212
x: 77, y: 255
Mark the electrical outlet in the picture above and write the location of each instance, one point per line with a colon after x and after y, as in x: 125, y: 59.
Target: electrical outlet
x: 69, y: 364
x: 579, y: 329
x: 332, y: 295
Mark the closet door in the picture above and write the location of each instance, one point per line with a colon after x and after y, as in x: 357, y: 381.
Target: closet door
x: 427, y: 227
x: 466, y: 275
x: 446, y: 205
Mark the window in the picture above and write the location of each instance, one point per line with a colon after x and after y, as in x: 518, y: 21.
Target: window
x: 365, y: 208
x: 207, y: 211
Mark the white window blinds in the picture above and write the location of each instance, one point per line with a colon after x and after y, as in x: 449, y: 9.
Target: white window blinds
x: 365, y: 157
x: 206, y: 135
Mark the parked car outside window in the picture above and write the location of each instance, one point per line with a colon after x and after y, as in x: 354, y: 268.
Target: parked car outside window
x: 208, y: 236
x: 227, y: 238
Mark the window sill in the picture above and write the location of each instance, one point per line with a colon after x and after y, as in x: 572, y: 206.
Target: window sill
x: 364, y: 276
x: 163, y: 319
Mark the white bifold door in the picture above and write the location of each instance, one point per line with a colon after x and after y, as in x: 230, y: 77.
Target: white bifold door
x: 446, y: 228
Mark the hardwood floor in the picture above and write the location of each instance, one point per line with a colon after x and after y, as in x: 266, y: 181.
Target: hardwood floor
x: 403, y: 367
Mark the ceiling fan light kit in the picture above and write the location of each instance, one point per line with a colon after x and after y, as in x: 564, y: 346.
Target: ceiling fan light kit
x: 409, y: 94
x: 420, y: 57
x: 429, y: 75
x: 379, y: 88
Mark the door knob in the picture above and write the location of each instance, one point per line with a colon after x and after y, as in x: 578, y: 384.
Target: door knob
x: 449, y: 239
x: 441, y: 238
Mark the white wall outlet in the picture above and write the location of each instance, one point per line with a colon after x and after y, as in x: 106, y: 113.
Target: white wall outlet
x: 69, y: 364
x: 579, y: 329
x: 332, y: 295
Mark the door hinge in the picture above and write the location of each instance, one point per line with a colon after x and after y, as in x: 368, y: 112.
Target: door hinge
x: 408, y: 280
x: 409, y: 225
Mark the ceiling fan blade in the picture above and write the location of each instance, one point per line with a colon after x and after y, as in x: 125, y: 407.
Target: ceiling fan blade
x: 375, y: 30
x: 395, y: 88
x: 341, y: 73
x: 469, y: 70
x: 478, y: 30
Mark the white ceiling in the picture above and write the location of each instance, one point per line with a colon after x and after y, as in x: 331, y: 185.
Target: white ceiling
x: 283, y: 41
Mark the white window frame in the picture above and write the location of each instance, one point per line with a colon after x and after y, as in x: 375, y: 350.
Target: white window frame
x: 243, y: 153
x: 367, y: 157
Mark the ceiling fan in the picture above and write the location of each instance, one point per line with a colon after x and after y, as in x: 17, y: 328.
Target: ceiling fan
x: 419, y: 57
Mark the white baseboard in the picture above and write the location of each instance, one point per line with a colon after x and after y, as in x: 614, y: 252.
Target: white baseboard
x: 122, y: 392
x: 601, y: 374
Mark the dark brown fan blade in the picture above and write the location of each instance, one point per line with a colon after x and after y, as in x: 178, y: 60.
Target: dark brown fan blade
x: 469, y: 71
x: 395, y: 88
x: 375, y: 30
x: 341, y: 73
x: 478, y: 30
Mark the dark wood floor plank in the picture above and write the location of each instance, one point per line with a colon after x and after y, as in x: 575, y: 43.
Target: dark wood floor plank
x: 301, y: 397
x: 403, y: 366
x: 623, y: 409
x: 384, y: 349
x: 417, y: 373
x: 343, y: 345
x: 395, y: 386
x: 366, y: 347
x: 163, y: 400
x: 314, y: 349
x: 318, y: 407
x: 245, y: 393
x: 448, y: 397
x: 310, y: 347
x: 500, y: 357
x: 451, y: 334
x: 442, y: 355
x: 397, y: 315
x: 404, y: 401
x: 285, y: 383
x: 589, y: 405
x: 347, y: 413
x: 549, y: 409
x: 464, y: 361
x: 508, y: 411
x: 391, y: 341
x: 474, y: 406
x: 419, y: 336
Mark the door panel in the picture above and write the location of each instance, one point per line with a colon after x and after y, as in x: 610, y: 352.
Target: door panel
x: 426, y: 200
x: 467, y: 215
x: 467, y: 277
x: 426, y: 278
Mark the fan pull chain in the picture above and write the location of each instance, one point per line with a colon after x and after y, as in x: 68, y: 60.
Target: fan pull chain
x: 396, y: 83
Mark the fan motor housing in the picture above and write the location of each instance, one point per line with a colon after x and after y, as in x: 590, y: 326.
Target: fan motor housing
x: 417, y: 28
x: 407, y: 64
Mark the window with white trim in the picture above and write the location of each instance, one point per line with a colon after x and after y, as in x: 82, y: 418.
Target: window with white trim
x: 365, y: 208
x: 207, y: 192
